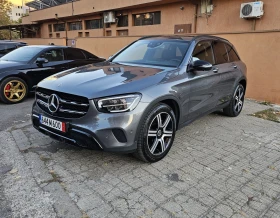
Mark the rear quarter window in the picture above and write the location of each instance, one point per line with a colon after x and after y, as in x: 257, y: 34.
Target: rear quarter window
x: 232, y: 53
x: 74, y: 54
x: 89, y: 55
x: 220, y: 52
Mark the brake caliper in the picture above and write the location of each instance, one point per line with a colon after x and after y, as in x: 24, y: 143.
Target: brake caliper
x: 8, y: 87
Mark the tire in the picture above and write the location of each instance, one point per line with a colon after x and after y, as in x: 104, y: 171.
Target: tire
x: 13, y: 90
x: 155, y: 141
x: 237, y: 101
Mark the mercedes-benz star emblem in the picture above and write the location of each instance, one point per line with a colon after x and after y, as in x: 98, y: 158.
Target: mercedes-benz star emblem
x: 53, y: 103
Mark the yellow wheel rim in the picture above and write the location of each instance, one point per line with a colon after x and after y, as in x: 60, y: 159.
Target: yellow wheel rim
x: 14, y: 91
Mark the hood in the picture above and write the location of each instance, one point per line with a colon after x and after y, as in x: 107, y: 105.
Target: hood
x: 9, y: 65
x: 105, y: 79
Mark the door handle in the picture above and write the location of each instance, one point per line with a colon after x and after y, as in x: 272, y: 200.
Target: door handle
x: 215, y: 70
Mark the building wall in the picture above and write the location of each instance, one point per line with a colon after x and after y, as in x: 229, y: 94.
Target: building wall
x: 85, y: 7
x: 17, y: 11
x: 225, y: 16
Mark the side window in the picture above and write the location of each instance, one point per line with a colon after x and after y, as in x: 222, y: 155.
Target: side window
x: 74, y: 54
x: 53, y: 55
x: 220, y: 52
x: 203, y: 51
x: 10, y: 47
x: 2, y: 49
x: 89, y: 55
x: 232, y: 53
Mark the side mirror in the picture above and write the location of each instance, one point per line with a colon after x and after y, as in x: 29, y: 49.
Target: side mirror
x: 41, y: 61
x: 200, y: 65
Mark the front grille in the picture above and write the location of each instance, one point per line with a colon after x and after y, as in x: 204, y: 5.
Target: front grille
x: 70, y: 106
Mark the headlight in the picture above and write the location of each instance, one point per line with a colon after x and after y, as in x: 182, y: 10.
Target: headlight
x: 118, y: 104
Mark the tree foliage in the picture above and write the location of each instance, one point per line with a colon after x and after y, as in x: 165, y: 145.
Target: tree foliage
x: 5, y: 8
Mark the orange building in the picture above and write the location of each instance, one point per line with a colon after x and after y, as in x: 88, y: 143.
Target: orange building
x: 105, y: 26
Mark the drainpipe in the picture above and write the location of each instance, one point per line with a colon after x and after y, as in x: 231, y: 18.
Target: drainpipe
x: 254, y: 24
x: 195, y: 3
x: 66, y: 33
x: 104, y: 27
x: 195, y: 18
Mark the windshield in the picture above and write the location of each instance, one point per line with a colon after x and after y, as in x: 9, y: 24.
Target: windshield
x: 23, y: 54
x: 169, y: 53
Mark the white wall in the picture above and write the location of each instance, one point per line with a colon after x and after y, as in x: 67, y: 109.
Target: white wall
x: 17, y: 12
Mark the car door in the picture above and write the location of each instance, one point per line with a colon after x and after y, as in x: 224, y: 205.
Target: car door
x: 55, y: 64
x: 203, y: 84
x: 234, y: 61
x: 225, y: 70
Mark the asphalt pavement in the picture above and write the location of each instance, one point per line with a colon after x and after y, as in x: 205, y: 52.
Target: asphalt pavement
x: 13, y: 114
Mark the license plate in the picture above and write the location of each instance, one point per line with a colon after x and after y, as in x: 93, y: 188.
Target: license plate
x: 54, y: 124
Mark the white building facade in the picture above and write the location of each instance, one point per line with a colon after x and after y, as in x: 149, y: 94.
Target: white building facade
x: 17, y: 11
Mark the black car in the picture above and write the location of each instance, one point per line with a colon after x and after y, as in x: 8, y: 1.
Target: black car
x: 7, y: 46
x: 22, y: 69
x: 137, y: 100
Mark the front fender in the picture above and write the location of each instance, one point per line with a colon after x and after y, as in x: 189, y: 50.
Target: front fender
x: 151, y: 105
x: 14, y: 73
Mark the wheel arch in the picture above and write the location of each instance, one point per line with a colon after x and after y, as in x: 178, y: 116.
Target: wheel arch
x: 171, y: 101
x: 175, y: 107
x: 21, y: 76
x: 243, y: 82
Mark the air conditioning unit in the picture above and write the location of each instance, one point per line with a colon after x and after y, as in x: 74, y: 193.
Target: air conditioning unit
x: 206, y: 7
x: 252, y: 10
x: 109, y: 17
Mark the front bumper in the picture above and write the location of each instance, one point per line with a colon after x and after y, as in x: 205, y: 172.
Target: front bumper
x: 100, y: 131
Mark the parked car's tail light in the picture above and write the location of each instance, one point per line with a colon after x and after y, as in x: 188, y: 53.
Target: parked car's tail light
x: 118, y: 104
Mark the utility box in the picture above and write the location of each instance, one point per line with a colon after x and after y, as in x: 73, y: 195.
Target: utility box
x: 182, y: 28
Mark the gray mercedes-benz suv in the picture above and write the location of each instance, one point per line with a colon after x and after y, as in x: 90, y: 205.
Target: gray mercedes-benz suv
x: 135, y: 101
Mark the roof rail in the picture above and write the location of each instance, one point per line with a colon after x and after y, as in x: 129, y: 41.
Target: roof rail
x: 209, y: 36
x: 180, y: 36
x: 170, y: 36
